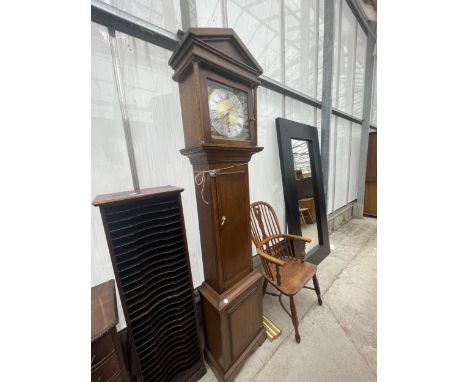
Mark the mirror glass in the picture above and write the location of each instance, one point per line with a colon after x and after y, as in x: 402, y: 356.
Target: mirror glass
x: 305, y: 191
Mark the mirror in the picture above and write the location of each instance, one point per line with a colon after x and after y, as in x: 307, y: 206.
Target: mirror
x: 305, y: 192
x: 303, y: 189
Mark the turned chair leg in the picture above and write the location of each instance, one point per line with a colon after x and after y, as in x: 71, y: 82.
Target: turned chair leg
x: 295, y: 321
x: 265, y: 284
x: 317, y: 289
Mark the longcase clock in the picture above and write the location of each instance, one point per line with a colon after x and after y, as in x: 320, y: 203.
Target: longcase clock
x: 218, y: 78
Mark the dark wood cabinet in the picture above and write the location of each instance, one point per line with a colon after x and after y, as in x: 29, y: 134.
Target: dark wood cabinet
x: 218, y: 79
x: 107, y: 363
x: 146, y: 238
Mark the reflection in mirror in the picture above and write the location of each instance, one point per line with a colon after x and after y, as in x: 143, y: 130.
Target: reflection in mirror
x: 305, y: 193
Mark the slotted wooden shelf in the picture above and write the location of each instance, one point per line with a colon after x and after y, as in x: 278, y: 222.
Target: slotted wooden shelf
x: 146, y: 237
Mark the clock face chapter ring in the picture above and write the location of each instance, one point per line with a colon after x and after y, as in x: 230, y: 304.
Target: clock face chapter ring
x: 228, y: 112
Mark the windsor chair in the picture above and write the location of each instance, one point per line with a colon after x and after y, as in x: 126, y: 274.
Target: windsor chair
x: 284, y: 268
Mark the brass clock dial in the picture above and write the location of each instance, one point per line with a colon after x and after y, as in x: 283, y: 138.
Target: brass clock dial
x: 228, y: 112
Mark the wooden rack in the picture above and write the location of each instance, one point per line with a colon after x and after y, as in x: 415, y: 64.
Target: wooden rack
x: 146, y: 238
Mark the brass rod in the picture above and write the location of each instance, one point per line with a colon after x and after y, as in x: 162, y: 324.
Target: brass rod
x: 272, y: 331
x: 274, y: 327
x: 268, y: 328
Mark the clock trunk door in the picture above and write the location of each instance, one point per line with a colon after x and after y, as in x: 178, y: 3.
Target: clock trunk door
x: 234, y: 226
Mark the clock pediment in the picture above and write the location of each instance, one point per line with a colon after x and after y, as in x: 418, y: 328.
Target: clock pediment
x: 219, y: 47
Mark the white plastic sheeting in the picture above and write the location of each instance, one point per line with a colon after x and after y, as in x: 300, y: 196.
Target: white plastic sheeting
x: 300, y: 112
x: 110, y: 169
x: 347, y: 59
x: 331, y: 166
x: 265, y: 181
x: 374, y: 96
x: 354, y: 161
x: 343, y: 177
x: 343, y: 136
x: 302, y: 42
x: 209, y: 13
x: 360, y: 71
x: 336, y: 62
x: 163, y: 13
x: 320, y: 49
x: 259, y: 26
x: 303, y: 113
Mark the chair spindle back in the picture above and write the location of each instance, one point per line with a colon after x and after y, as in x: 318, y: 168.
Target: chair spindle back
x: 264, y: 224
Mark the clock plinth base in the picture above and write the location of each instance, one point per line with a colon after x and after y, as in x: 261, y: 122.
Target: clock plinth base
x: 230, y: 375
x: 233, y: 325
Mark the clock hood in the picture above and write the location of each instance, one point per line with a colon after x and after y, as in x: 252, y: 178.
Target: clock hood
x: 216, y: 47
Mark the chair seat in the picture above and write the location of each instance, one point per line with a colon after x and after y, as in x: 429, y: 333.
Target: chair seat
x: 294, y: 275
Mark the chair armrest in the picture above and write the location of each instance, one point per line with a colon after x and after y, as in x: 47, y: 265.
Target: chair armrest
x: 278, y: 263
x: 269, y: 258
x: 294, y: 237
x: 287, y: 236
x: 284, y: 235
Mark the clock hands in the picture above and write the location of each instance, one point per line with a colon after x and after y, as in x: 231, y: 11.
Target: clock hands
x: 230, y: 121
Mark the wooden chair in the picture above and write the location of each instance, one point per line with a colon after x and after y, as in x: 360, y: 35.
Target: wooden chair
x: 284, y: 268
x: 304, y: 212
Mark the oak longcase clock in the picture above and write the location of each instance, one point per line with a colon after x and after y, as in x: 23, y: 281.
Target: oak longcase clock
x: 218, y: 80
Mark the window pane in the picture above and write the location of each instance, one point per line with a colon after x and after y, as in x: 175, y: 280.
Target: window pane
x: 209, y: 13
x: 152, y: 99
x: 301, y: 40
x: 162, y: 13
x: 320, y: 51
x: 374, y: 96
x: 110, y: 168
x: 331, y: 166
x: 342, y: 161
x: 302, y: 113
x: 354, y: 161
x: 335, y: 52
x: 360, y: 72
x: 319, y: 127
x: 258, y: 25
x: 264, y: 170
x: 348, y: 37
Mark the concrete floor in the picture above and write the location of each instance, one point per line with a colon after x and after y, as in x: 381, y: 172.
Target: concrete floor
x: 339, y: 340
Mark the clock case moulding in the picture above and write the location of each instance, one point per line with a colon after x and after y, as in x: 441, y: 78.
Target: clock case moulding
x: 231, y: 294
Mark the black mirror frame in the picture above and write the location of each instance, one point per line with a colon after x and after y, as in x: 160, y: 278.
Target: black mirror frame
x: 287, y: 130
